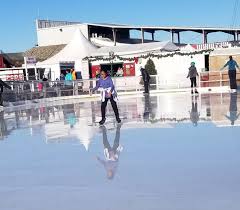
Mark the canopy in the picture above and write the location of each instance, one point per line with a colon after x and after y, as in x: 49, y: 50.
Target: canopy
x: 76, y: 50
x: 136, y: 48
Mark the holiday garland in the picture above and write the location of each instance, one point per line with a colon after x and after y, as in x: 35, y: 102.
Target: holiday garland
x: 146, y: 56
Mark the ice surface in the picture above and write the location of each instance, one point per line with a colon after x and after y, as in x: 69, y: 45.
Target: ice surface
x: 173, y: 152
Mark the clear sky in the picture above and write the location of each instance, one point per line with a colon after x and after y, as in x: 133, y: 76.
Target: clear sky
x: 18, y: 16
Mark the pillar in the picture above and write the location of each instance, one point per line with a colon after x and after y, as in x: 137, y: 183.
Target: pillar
x: 114, y: 36
x: 236, y: 36
x: 142, y: 35
x: 178, y: 36
x: 153, y: 37
x: 172, y: 36
x: 204, y: 37
x: 89, y: 33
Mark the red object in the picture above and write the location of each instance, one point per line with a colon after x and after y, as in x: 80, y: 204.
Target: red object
x: 128, y: 69
x: 205, y: 77
x: 15, y: 77
x: 95, y: 70
x: 136, y: 60
x: 1, y: 62
x: 194, y: 46
x: 40, y: 87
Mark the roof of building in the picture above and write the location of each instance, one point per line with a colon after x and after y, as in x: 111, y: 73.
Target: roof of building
x: 199, y: 29
x: 136, y: 48
x: 14, y: 59
x: 45, y: 52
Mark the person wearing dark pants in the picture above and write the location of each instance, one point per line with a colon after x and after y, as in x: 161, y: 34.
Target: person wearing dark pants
x: 106, y: 87
x: 2, y: 85
x: 232, y: 73
x: 193, y: 74
x: 114, y: 106
x: 146, y: 80
x: 233, y: 79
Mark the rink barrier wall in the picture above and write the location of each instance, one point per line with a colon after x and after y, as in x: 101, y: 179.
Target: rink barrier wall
x: 126, y: 86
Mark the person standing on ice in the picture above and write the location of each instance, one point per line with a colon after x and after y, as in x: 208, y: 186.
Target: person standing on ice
x: 193, y: 74
x: 232, y: 65
x: 2, y: 85
x: 146, y: 79
x: 106, y: 87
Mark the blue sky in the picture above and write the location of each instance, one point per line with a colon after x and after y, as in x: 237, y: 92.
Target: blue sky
x: 18, y: 17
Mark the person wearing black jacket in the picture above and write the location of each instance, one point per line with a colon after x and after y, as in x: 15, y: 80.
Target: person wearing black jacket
x: 3, y: 84
x: 146, y: 79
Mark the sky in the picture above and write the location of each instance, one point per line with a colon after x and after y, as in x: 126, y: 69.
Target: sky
x: 17, y: 17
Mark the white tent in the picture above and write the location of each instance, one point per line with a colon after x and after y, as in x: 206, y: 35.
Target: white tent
x: 75, y: 51
x: 188, y: 48
x: 131, y: 49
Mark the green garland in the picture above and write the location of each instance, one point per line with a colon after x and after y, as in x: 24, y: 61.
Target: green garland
x: 149, y: 55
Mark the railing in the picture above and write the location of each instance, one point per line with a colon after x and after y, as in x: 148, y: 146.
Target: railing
x: 217, y: 45
x: 215, y: 79
x: 29, y: 90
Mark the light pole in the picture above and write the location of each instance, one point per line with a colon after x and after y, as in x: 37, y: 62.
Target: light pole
x: 111, y: 56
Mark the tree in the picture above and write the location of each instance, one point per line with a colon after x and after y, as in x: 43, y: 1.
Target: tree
x: 150, y: 67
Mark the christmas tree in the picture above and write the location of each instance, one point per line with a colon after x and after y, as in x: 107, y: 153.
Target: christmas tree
x: 150, y: 67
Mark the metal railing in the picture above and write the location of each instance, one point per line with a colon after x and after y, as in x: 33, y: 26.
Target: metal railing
x: 215, y: 79
x: 28, y: 90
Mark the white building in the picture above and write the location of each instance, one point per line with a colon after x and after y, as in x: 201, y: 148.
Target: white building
x: 64, y: 45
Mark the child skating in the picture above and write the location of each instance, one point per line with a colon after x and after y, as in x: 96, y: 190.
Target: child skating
x: 193, y: 74
x: 106, y: 87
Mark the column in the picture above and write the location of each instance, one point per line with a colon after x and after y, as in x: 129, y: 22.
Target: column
x: 89, y: 33
x: 178, y: 35
x: 142, y: 35
x: 235, y: 36
x: 204, y: 37
x: 172, y: 35
x: 153, y: 37
x: 114, y: 36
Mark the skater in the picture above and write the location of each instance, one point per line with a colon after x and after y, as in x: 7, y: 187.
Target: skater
x: 193, y: 74
x: 232, y: 73
x: 146, y: 80
x: 111, y: 153
x: 108, y: 92
x: 3, y: 84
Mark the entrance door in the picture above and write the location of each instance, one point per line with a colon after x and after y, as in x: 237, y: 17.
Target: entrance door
x: 64, y: 67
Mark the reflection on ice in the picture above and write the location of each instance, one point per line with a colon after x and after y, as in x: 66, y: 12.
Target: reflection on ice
x: 233, y: 111
x: 78, y: 120
x: 194, y: 113
x: 111, y: 153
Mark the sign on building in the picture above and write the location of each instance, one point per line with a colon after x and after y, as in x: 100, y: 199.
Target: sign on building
x: 30, y: 60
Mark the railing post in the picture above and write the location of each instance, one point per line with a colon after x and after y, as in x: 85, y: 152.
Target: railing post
x: 157, y: 82
x: 220, y: 79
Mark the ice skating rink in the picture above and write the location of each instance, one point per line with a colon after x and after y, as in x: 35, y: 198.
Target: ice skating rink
x: 172, y: 152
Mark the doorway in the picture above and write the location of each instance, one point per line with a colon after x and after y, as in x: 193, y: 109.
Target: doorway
x: 112, y: 69
x: 206, y: 62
